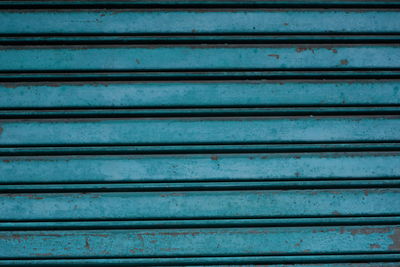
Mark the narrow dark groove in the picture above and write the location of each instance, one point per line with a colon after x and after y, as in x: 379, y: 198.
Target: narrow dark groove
x: 196, y: 113
x: 215, y: 188
x: 213, y: 224
x: 21, y: 42
x: 195, y: 144
x: 236, y: 256
x: 103, y: 151
x: 201, y: 75
x: 185, y: 5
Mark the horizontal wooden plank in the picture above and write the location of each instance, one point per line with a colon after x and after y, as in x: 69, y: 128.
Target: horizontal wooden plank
x: 211, y: 167
x: 199, y: 204
x: 198, y: 223
x: 199, y: 242
x: 356, y: 260
x: 197, y: 94
x: 100, y: 131
x: 198, y: 21
x: 235, y: 57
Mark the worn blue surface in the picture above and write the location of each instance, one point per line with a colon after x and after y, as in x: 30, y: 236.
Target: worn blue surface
x: 184, y: 94
x: 200, y: 130
x: 198, y: 21
x: 206, y: 132
x: 197, y: 57
x: 211, y: 167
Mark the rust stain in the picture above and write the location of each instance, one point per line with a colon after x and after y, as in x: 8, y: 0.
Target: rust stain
x: 274, y: 55
x: 336, y: 213
x: 43, y: 254
x: 87, y: 244
x: 6, y: 160
x: 172, y: 194
x: 374, y: 246
x: 134, y: 250
x: 181, y: 233
x: 214, y: 157
x: 286, y: 24
x: 1, y: 130
x: 344, y: 62
x: 369, y: 230
x: 302, y: 49
x: 333, y: 50
x: 396, y: 240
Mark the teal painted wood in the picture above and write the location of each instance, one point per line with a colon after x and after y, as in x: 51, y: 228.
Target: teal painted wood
x: 200, y: 130
x: 207, y: 3
x: 198, y: 21
x: 180, y: 132
x: 209, y: 261
x: 211, y: 167
x: 199, y: 204
x: 209, y: 57
x: 352, y: 261
x: 191, y: 242
x: 197, y: 94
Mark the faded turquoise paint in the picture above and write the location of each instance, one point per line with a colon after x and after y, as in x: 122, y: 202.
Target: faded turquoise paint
x: 200, y: 130
x: 212, y: 167
x: 197, y: 57
x: 179, y: 3
x: 199, y: 204
x: 379, y: 261
x: 192, y: 21
x: 198, y: 242
x: 197, y: 94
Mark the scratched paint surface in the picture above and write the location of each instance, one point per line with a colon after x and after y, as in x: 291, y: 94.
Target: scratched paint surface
x: 234, y: 167
x: 78, y: 58
x: 222, y: 242
x: 202, y: 204
x: 192, y: 21
x: 206, y: 132
x: 173, y: 94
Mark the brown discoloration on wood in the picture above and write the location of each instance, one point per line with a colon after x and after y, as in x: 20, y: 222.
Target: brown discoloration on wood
x: 1, y: 130
x: 87, y: 244
x: 370, y: 230
x: 172, y: 194
x: 43, y: 254
x: 214, y: 157
x: 396, y: 240
x: 274, y: 55
x: 333, y: 50
x: 344, y: 62
x: 374, y: 246
x: 302, y: 49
